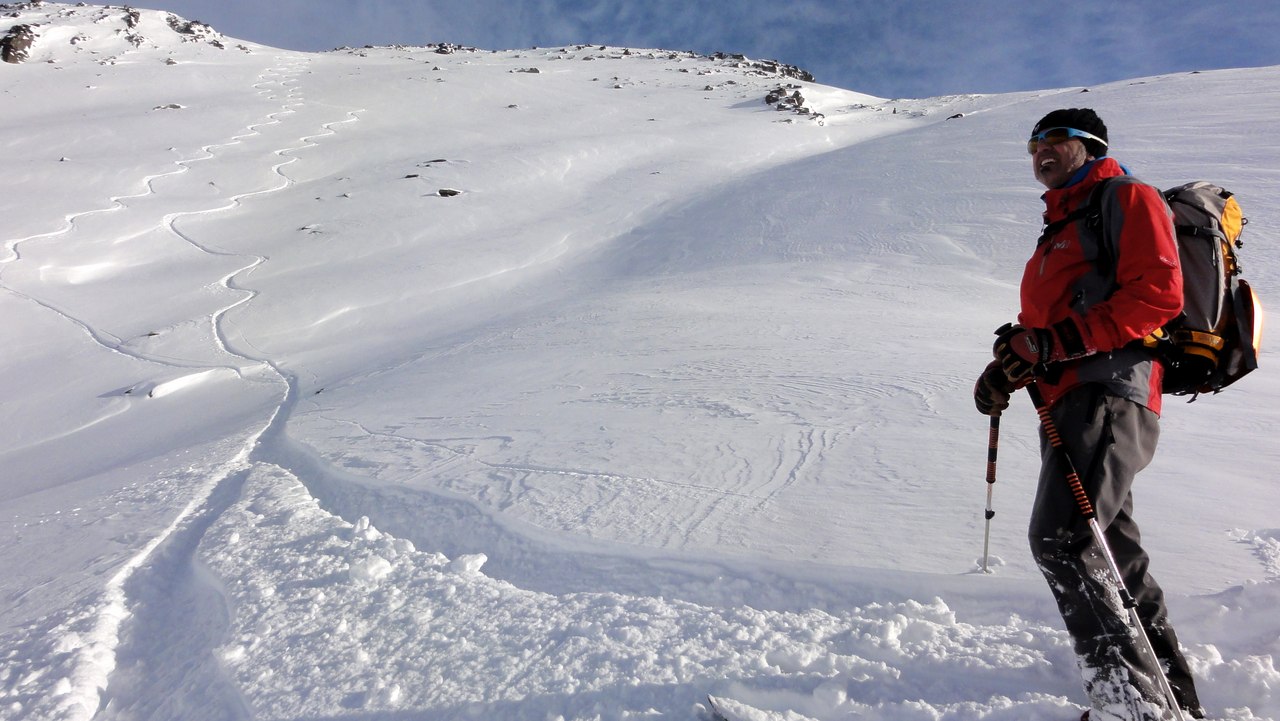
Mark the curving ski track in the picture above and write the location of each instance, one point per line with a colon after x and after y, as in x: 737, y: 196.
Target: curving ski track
x: 105, y: 670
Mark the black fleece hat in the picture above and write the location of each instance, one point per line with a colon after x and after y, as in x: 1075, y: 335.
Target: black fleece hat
x: 1080, y: 119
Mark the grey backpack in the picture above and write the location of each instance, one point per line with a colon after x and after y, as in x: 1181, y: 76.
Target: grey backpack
x: 1215, y: 340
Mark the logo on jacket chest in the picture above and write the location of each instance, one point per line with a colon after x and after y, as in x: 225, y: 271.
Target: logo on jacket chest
x: 1050, y: 247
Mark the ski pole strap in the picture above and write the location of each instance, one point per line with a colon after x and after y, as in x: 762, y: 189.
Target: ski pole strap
x: 1055, y: 440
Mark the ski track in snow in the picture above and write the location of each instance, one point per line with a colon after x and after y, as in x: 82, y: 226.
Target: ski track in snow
x: 184, y: 566
x: 90, y: 644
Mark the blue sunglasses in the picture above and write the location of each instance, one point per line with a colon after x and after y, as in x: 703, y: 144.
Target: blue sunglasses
x: 1053, y: 136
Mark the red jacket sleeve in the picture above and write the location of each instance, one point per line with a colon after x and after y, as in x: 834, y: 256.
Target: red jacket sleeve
x: 1148, y: 275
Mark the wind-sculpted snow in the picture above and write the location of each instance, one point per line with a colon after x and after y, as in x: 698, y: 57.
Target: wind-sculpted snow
x: 570, y: 383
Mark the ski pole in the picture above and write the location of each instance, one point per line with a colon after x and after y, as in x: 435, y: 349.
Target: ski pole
x: 1086, y: 508
x: 993, y: 444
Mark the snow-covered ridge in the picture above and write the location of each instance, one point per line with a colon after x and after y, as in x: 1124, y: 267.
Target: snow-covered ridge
x: 49, y: 32
x: 666, y: 397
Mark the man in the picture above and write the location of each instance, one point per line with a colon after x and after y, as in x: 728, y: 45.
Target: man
x: 1091, y: 291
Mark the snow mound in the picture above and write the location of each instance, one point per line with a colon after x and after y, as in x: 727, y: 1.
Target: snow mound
x: 337, y: 615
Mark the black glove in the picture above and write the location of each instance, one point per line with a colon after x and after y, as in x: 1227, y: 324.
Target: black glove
x: 991, y: 392
x: 1023, y: 352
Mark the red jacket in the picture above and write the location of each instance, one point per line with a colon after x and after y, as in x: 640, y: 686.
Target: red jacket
x: 1063, y: 279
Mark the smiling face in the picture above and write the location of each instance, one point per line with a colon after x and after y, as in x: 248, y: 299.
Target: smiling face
x: 1053, y: 164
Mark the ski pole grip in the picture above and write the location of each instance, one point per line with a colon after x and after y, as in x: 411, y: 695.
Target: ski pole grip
x: 993, y: 445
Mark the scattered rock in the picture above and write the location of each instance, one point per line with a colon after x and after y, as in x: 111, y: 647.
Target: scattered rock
x: 787, y: 98
x: 788, y: 95
x: 194, y: 30
x: 170, y: 106
x: 767, y: 67
x: 450, y: 48
x: 16, y: 46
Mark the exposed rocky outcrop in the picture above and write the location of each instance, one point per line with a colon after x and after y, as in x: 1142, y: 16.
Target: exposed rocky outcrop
x: 195, y: 30
x: 450, y: 48
x: 106, y: 32
x: 768, y: 67
x: 15, y: 47
x: 788, y: 98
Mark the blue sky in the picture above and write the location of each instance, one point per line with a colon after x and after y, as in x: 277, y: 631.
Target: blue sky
x: 904, y: 48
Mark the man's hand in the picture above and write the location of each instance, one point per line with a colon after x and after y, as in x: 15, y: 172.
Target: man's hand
x: 1023, y: 352
x: 991, y: 392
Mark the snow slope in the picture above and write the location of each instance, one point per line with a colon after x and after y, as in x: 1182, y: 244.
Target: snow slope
x: 667, y: 394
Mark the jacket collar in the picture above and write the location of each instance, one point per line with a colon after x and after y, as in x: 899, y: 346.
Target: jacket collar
x: 1060, y: 201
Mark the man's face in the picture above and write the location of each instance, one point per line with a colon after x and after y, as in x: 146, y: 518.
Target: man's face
x: 1053, y: 165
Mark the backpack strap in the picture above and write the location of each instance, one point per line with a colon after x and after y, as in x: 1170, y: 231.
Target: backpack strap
x: 1090, y: 211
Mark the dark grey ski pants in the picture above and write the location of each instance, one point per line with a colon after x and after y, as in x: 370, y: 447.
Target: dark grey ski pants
x: 1109, y: 439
